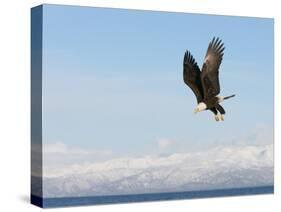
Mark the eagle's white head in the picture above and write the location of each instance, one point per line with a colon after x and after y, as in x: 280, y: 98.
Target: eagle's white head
x: 200, y: 107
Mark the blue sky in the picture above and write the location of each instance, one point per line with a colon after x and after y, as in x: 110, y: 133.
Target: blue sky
x: 112, y: 79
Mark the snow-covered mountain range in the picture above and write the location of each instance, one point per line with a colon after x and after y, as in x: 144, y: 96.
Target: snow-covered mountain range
x: 219, y: 167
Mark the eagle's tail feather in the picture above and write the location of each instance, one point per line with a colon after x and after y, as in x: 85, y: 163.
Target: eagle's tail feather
x: 228, y: 97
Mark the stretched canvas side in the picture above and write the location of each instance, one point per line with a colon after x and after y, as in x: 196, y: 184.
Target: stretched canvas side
x: 36, y: 106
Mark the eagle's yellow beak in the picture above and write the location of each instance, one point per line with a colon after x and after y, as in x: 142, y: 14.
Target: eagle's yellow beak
x: 196, y: 110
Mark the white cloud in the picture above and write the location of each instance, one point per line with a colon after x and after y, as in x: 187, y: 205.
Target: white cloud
x: 165, y: 143
x: 58, y: 155
x: 62, y: 148
x: 57, y: 147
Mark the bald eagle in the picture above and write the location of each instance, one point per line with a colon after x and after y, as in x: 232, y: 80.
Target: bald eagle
x: 205, y: 84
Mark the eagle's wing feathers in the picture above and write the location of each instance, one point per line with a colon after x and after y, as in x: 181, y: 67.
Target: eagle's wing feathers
x: 210, y: 68
x: 191, y: 75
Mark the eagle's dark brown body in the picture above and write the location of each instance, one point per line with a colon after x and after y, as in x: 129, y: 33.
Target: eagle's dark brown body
x: 213, y: 102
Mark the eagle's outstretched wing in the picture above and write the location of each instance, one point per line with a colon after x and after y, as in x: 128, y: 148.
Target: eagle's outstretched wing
x: 210, y: 69
x: 191, y: 75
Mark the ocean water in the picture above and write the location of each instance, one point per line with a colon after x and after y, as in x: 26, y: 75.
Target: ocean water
x: 97, y: 200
